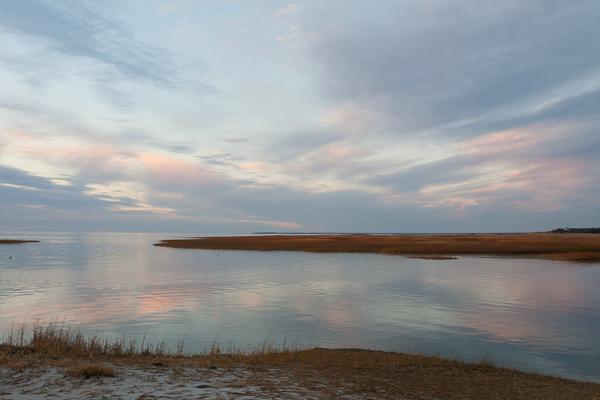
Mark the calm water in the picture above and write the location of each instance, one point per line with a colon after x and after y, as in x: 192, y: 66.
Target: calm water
x: 532, y: 314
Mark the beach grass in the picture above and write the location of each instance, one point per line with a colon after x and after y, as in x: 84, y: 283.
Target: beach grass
x: 363, y: 373
x: 58, y: 340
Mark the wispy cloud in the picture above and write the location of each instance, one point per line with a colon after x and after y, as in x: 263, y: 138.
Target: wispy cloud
x: 75, y: 29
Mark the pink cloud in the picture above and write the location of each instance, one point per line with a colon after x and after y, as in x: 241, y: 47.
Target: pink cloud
x: 510, y: 168
x: 163, y: 168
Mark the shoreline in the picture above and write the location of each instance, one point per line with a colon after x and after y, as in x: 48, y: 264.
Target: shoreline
x: 53, y: 360
x: 554, y: 246
x: 314, y: 373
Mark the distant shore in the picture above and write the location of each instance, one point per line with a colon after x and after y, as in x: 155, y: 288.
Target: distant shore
x: 56, y: 361
x: 17, y: 241
x: 565, y: 247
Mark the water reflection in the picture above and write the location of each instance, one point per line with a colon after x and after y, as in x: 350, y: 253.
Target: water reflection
x: 531, y: 314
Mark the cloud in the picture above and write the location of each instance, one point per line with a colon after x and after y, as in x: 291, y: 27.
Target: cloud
x: 222, y: 159
x: 290, y: 145
x: 78, y: 51
x: 16, y: 177
x: 387, y: 116
x: 23, y: 193
x: 74, y: 29
x: 236, y: 140
x: 289, y: 8
x: 531, y: 168
x: 436, y: 64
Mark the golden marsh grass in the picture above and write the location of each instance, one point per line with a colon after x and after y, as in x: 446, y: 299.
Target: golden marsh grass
x: 567, y: 247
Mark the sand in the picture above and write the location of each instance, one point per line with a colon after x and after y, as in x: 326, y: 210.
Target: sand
x: 311, y: 374
x: 135, y: 382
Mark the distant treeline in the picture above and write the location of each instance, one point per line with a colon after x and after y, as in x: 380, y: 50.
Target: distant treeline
x: 576, y: 230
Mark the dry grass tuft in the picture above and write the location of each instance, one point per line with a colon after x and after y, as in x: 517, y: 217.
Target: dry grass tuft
x: 56, y: 340
x: 88, y: 371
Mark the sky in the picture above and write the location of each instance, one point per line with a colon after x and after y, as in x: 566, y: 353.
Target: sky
x: 331, y: 116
